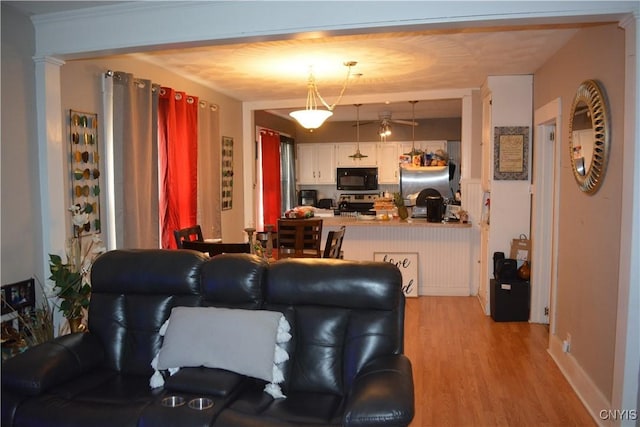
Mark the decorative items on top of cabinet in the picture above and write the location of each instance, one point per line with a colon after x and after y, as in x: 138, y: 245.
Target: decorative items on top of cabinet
x: 424, y: 146
x: 316, y: 164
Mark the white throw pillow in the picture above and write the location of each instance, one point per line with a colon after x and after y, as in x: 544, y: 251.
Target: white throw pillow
x: 241, y: 341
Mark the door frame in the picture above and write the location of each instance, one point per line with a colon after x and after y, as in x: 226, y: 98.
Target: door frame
x: 544, y: 224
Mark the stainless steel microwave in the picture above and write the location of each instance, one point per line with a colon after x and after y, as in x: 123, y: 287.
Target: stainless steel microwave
x: 357, y: 179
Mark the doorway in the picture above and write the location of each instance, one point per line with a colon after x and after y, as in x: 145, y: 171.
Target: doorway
x: 545, y: 200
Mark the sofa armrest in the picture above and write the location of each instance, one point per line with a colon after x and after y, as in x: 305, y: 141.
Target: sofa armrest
x: 52, y: 363
x: 382, y: 394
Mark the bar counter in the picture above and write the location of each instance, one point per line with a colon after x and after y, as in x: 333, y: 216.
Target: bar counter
x: 444, y: 250
x: 338, y: 221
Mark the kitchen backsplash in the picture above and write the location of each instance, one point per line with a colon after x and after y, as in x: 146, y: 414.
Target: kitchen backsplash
x: 330, y: 192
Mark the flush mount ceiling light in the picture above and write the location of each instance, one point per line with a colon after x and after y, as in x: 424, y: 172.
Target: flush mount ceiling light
x: 358, y: 155
x: 311, y: 118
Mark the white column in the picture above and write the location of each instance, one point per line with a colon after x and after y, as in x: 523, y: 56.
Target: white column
x: 51, y: 149
x: 466, y: 137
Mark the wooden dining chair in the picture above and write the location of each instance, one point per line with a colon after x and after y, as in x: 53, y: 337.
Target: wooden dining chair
x: 193, y: 233
x: 300, y: 238
x: 333, y: 247
x: 217, y: 248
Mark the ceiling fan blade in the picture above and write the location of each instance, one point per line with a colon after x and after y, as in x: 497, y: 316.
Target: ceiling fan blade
x: 405, y: 122
x: 362, y: 124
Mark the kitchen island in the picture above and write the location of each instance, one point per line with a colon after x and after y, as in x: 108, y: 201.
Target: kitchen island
x: 443, y: 250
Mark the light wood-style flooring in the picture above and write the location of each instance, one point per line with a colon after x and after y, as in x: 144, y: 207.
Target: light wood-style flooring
x: 471, y: 371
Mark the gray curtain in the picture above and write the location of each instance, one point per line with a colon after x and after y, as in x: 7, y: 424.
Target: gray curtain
x: 287, y: 173
x: 135, y: 145
x: 209, y: 168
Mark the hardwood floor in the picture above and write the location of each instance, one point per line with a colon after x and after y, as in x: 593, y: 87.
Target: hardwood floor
x: 471, y: 371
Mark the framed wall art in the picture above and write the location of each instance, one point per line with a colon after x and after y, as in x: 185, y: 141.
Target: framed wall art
x: 227, y: 173
x: 84, y: 164
x: 511, y: 153
x: 19, y: 297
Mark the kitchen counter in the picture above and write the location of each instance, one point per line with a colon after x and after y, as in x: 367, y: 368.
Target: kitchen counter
x: 338, y: 221
x: 440, y: 252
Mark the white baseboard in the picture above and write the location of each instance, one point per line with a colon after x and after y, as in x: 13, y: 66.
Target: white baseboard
x: 585, y: 388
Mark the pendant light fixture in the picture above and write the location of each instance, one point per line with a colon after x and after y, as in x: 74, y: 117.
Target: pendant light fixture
x: 413, y: 129
x: 358, y: 155
x: 311, y: 118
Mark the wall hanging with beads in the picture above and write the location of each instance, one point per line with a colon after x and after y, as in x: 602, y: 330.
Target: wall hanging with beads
x: 84, y: 164
x: 227, y: 173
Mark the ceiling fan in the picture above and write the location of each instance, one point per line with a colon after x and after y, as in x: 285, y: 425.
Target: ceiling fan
x: 385, y: 122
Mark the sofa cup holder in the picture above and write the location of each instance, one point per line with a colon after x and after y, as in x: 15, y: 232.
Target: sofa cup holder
x: 173, y: 401
x: 198, y: 403
x: 201, y: 403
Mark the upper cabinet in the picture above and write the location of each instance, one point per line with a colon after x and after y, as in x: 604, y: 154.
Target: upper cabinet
x: 316, y: 164
x: 388, y: 169
x: 346, y: 149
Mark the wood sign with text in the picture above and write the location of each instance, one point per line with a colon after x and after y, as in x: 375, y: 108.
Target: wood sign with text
x: 407, y: 262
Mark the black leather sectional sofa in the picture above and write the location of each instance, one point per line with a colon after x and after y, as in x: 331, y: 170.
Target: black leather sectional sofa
x: 346, y: 364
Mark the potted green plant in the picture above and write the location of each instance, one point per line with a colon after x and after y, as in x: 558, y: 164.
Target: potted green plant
x: 72, y: 278
x: 403, y: 212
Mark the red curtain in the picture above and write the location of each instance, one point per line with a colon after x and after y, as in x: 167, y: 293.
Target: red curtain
x: 178, y: 162
x: 270, y: 147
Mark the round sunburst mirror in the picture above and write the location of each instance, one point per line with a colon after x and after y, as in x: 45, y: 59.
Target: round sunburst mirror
x: 589, y: 136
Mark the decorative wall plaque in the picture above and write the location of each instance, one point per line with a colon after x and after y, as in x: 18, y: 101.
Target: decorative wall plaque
x: 227, y: 173
x: 84, y: 164
x: 511, y: 153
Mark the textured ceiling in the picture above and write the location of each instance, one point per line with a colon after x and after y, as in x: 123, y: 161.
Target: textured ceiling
x: 388, y: 63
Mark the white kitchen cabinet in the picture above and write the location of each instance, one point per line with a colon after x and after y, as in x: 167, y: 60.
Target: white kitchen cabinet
x: 346, y: 149
x: 388, y: 169
x: 316, y: 164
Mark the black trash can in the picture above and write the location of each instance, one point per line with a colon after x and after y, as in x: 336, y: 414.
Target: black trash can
x: 509, y: 300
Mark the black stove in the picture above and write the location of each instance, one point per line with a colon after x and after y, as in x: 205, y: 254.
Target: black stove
x: 353, y: 204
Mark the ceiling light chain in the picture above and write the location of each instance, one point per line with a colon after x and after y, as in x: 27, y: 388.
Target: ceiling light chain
x: 348, y: 64
x: 413, y: 128
x: 312, y: 118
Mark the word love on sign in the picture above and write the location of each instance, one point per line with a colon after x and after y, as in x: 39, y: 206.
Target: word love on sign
x: 407, y: 262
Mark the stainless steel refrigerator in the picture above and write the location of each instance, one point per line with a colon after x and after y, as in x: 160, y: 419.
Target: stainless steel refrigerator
x: 414, y: 179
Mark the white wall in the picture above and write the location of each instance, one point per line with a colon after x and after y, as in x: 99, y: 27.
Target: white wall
x: 21, y: 234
